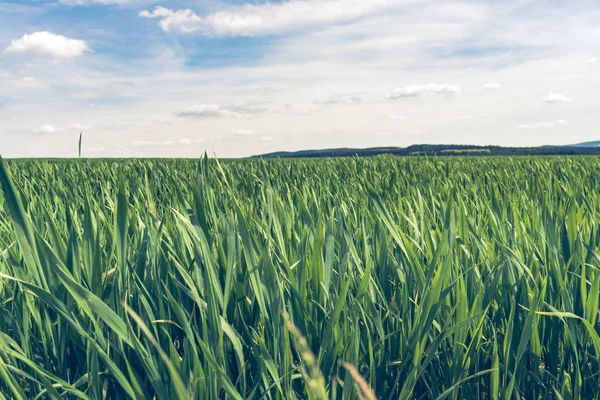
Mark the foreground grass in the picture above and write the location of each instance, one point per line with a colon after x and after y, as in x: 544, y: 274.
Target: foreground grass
x: 462, y: 278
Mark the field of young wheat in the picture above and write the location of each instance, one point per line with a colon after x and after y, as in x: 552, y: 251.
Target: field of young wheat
x: 409, y: 278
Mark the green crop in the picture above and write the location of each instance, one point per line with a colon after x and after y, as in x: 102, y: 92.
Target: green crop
x: 409, y: 278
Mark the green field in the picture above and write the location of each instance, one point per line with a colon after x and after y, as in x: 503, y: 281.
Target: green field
x: 431, y: 278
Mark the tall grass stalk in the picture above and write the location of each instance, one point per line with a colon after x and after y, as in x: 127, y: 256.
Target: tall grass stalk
x: 421, y: 278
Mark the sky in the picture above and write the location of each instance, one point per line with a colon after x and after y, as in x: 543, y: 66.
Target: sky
x: 145, y: 78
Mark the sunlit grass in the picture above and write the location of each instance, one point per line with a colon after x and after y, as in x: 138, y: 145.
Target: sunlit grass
x: 457, y: 278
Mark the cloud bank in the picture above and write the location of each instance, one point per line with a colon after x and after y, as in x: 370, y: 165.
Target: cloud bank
x: 50, y: 44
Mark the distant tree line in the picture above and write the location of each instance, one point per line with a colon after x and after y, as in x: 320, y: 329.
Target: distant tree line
x: 439, y: 150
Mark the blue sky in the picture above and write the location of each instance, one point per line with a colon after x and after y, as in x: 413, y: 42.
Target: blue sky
x: 236, y: 78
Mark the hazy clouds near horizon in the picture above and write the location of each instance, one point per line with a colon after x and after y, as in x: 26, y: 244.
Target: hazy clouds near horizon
x: 235, y: 78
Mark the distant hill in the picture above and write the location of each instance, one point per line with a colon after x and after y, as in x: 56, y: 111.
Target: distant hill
x: 588, y: 144
x: 588, y: 148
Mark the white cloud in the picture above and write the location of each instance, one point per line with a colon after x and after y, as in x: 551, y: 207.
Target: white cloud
x: 28, y: 83
x: 48, y: 43
x: 556, y: 98
x: 190, y: 141
x: 329, y: 101
x: 537, y: 125
x: 166, y: 143
x: 152, y: 143
x: 86, y: 95
x: 46, y: 129
x: 267, y: 18
x: 542, y: 125
x: 244, y: 132
x: 428, y: 89
x: 81, y: 127
x: 163, y: 120
x: 338, y: 100
x: 16, y: 8
x: 594, y: 60
x: 180, y: 20
x: 218, y: 111
x: 491, y: 86
x: 89, y: 2
x: 397, y: 117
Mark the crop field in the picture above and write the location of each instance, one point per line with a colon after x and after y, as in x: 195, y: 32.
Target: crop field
x: 386, y: 277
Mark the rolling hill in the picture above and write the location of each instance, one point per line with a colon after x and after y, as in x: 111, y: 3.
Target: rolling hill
x: 588, y: 148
